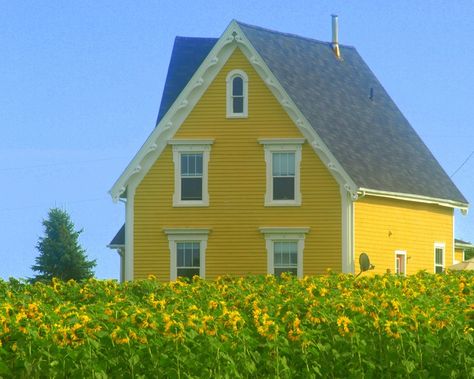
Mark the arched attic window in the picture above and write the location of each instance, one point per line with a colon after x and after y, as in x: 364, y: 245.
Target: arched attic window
x: 237, y: 94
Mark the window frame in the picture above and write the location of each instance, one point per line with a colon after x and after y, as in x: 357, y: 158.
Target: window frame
x: 284, y: 234
x: 404, y: 254
x: 191, y: 147
x: 229, y: 95
x: 178, y: 235
x: 287, y: 145
x: 442, y: 246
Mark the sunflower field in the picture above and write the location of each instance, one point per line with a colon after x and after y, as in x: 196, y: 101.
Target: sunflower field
x: 323, y: 326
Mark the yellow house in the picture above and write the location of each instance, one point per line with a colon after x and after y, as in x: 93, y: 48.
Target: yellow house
x: 275, y: 153
x: 460, y: 248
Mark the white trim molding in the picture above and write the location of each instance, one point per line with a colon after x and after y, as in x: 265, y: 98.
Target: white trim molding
x: 404, y: 254
x: 285, y: 145
x: 439, y: 245
x: 129, y: 225
x: 191, y: 146
x: 347, y: 231
x: 284, y: 234
x: 176, y: 235
x: 418, y: 198
x: 245, y: 94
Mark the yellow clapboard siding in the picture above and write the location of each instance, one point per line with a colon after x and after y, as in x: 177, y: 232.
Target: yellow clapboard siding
x: 459, y: 254
x: 384, y: 225
x: 237, y: 175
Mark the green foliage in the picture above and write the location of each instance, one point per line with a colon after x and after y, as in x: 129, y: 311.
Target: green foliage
x: 61, y: 256
x: 327, y: 326
x: 469, y: 253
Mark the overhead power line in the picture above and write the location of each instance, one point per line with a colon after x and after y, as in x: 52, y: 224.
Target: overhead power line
x: 58, y: 164
x: 56, y: 203
x: 463, y: 163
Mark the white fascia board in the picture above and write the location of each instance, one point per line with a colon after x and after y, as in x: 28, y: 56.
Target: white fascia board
x: 417, y: 198
x: 116, y: 246
x: 179, y: 110
x: 463, y: 245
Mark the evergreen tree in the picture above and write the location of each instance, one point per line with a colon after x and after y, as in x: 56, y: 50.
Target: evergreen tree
x: 61, y: 256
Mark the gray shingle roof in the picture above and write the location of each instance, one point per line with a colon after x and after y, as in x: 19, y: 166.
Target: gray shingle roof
x: 370, y: 138
x: 188, y: 54
x: 119, y: 239
x: 458, y: 241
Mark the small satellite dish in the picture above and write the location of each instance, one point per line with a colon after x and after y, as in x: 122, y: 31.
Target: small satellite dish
x: 364, y: 263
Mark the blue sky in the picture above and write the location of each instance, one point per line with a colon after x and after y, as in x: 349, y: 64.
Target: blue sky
x: 81, y: 84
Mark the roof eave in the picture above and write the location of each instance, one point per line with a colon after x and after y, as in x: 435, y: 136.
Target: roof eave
x: 417, y: 198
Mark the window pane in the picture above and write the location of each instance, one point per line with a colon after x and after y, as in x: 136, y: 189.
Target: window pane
x: 439, y: 256
x: 237, y: 86
x: 285, y: 255
x: 184, y: 164
x: 191, y: 188
x: 188, y: 258
x: 283, y: 164
x: 284, y: 188
x: 291, y: 164
x: 180, y: 254
x: 439, y: 269
x: 187, y: 272
x: 238, y: 104
x: 191, y: 164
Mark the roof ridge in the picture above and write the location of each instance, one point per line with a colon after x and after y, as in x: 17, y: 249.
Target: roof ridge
x: 188, y: 37
x: 291, y: 35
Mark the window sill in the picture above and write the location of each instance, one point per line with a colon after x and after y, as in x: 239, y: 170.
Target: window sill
x: 283, y: 203
x: 237, y: 115
x: 184, y: 204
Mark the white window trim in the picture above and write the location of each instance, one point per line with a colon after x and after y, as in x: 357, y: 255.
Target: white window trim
x: 230, y: 76
x: 276, y: 234
x: 291, y: 145
x: 404, y: 253
x: 176, y: 235
x: 439, y: 245
x: 191, y: 146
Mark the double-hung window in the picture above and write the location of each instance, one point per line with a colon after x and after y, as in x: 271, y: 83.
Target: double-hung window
x: 285, y: 257
x: 285, y: 248
x: 191, y: 159
x: 283, y: 160
x: 439, y: 258
x: 188, y: 261
x: 187, y: 251
x: 283, y: 175
x: 191, y: 176
x: 237, y: 94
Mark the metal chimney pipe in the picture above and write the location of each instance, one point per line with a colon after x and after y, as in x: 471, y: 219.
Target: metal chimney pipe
x: 335, y: 31
x: 335, y: 36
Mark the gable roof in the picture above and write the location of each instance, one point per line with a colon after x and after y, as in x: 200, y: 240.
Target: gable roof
x: 369, y: 138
